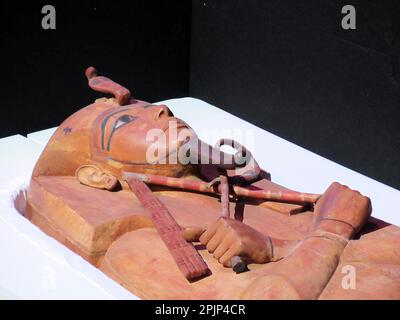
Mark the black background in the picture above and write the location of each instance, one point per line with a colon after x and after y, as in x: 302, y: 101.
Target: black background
x: 143, y: 45
x: 286, y: 66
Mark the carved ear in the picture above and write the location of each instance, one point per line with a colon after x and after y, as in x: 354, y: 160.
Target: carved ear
x: 93, y: 176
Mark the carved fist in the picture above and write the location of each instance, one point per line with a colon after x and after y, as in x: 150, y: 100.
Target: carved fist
x: 227, y: 238
x: 339, y: 207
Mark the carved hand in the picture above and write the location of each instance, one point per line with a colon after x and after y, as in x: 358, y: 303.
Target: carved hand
x: 342, y: 210
x: 227, y: 238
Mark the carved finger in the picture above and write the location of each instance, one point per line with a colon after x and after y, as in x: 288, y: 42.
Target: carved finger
x: 216, y: 240
x: 192, y: 234
x: 234, y: 250
x: 225, y: 245
x: 206, y: 236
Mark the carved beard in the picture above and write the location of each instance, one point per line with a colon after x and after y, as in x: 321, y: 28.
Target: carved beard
x: 203, y: 153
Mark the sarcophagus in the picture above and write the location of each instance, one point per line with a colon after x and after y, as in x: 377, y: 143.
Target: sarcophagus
x: 131, y: 188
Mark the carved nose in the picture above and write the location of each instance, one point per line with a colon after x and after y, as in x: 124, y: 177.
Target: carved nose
x: 163, y: 112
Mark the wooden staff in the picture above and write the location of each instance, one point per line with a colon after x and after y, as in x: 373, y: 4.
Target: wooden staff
x: 204, y: 187
x: 239, y: 265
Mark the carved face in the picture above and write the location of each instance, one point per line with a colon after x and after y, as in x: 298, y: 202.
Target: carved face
x: 114, y: 138
x: 116, y: 135
x: 125, y: 134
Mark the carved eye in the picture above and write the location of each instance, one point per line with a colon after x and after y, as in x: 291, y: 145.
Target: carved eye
x: 123, y: 120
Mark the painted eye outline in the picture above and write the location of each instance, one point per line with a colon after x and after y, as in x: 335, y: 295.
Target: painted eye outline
x: 118, y: 124
x: 123, y: 120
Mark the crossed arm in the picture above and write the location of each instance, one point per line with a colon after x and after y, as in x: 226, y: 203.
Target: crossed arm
x: 340, y: 213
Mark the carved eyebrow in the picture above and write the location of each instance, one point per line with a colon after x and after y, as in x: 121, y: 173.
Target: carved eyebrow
x: 119, y: 123
x: 105, y: 120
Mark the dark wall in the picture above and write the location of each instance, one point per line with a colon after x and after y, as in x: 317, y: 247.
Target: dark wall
x: 289, y: 67
x: 144, y: 45
x: 286, y: 66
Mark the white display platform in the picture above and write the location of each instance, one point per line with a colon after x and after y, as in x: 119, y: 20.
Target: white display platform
x: 35, y: 266
x: 32, y: 264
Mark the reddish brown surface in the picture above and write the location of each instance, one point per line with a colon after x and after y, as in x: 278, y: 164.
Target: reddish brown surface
x: 186, y: 257
x: 92, y: 219
x: 137, y: 257
x: 105, y: 85
x: 292, y: 253
x: 85, y: 219
x: 375, y: 260
x: 92, y: 222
